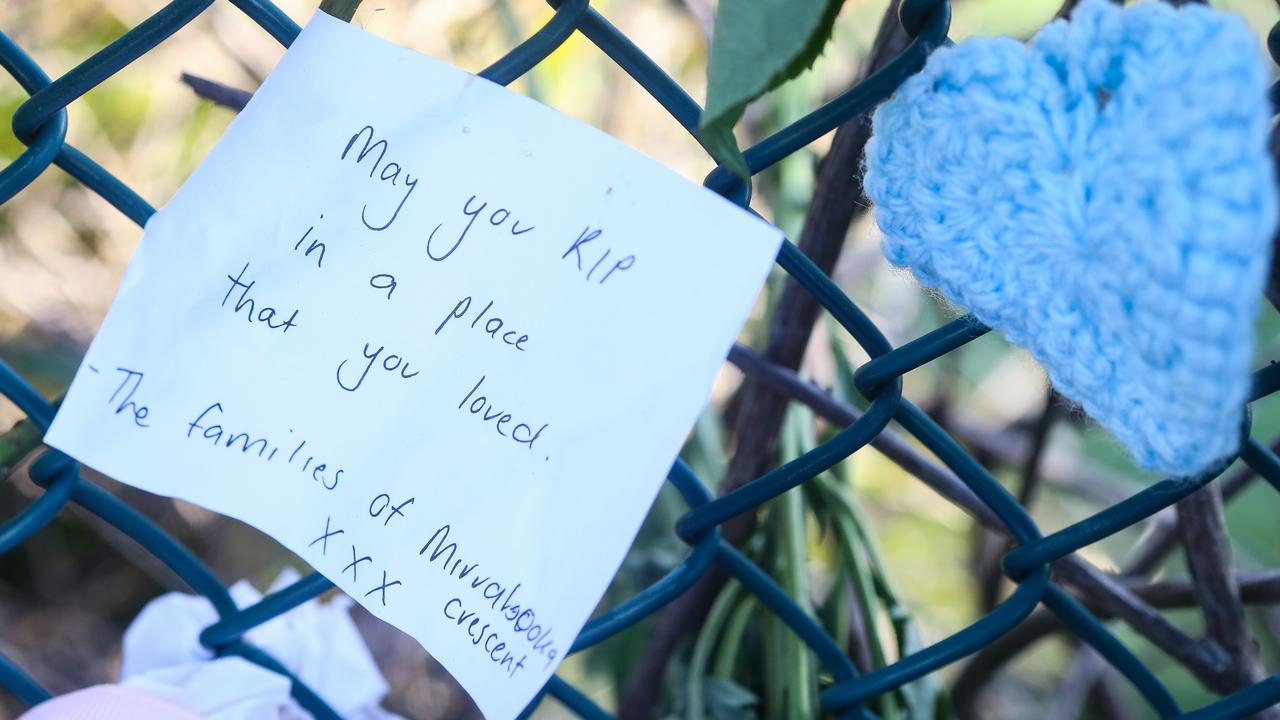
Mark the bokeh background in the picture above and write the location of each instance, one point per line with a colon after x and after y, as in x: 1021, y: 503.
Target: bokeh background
x: 67, y: 594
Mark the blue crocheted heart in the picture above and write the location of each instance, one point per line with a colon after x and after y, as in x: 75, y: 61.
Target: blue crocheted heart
x: 1104, y: 197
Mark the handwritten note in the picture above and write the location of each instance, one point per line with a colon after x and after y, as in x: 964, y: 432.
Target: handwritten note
x: 437, y: 339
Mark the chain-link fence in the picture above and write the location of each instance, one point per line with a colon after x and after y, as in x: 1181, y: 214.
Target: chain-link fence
x: 1039, y: 565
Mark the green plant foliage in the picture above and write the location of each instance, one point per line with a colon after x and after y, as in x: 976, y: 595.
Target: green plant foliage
x: 342, y: 9
x: 757, y: 46
x: 727, y: 700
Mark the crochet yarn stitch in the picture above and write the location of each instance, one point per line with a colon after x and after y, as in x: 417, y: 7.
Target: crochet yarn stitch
x: 1104, y: 197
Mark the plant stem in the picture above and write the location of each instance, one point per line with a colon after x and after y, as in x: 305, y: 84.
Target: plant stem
x: 695, y: 703
x: 791, y: 556
x: 731, y: 640
x: 828, y: 219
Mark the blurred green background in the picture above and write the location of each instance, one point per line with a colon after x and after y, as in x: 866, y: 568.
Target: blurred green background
x: 66, y: 595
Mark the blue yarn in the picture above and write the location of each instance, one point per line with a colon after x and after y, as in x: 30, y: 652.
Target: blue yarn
x: 1104, y: 197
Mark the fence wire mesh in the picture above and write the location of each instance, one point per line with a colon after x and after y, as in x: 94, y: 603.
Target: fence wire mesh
x: 1037, y: 605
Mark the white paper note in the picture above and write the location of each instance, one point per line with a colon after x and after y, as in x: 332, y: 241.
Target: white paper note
x: 437, y: 339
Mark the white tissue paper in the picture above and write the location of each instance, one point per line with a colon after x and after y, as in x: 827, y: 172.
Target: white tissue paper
x: 318, y: 642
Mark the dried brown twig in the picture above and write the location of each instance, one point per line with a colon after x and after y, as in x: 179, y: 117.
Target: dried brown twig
x: 1206, y: 659
x: 761, y: 408
x: 1208, y: 551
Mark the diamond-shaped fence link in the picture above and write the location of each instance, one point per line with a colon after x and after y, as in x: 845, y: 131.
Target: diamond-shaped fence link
x: 41, y: 124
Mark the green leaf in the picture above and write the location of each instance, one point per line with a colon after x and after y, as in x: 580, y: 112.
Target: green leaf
x: 17, y: 443
x: 757, y: 45
x: 923, y: 697
x: 791, y: 566
x: 731, y: 640
x: 727, y: 700
x: 344, y: 10
x: 695, y: 685
x: 718, y: 140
